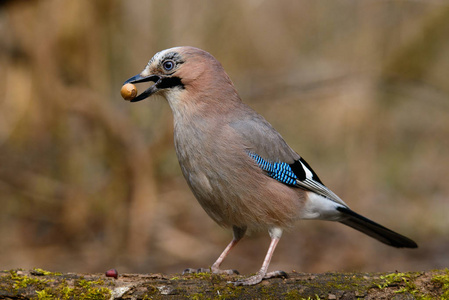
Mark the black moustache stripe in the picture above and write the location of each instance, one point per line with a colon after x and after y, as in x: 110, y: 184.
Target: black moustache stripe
x: 170, y: 82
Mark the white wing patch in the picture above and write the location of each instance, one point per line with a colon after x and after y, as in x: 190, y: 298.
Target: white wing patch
x: 309, y: 174
x: 314, y: 186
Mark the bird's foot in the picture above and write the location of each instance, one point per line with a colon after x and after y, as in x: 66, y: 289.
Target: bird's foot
x: 259, y: 277
x: 227, y: 272
x: 211, y: 270
x: 276, y: 274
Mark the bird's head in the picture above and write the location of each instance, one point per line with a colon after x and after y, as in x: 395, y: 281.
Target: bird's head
x: 181, y: 71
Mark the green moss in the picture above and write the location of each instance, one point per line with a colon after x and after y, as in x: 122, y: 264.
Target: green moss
x: 47, y: 289
x: 83, y: 283
x: 310, y: 298
x: 201, y: 275
x: 343, y: 283
x: 405, y: 282
x: 294, y: 295
x: 84, y: 289
x: 393, y: 278
x: 41, y: 272
x: 268, y: 291
x: 217, y: 279
x: 152, y: 290
x: 339, y: 282
x: 212, y: 278
x: 65, y: 291
x: 227, y: 292
x: 419, y: 285
x: 198, y: 296
x: 442, y: 281
x: 23, y: 281
x: 44, y: 295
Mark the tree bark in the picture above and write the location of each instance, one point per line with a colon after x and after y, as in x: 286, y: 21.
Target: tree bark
x: 40, y: 284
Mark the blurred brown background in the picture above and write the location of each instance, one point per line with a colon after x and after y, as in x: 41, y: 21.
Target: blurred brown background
x: 89, y: 182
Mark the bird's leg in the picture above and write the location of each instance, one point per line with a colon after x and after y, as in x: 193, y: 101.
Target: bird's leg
x: 238, y: 234
x: 275, y: 234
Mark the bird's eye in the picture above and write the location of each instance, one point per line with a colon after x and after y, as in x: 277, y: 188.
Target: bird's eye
x: 168, y: 65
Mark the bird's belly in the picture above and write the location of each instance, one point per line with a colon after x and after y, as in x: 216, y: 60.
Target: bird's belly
x: 213, y: 193
x: 231, y: 199
x: 232, y: 189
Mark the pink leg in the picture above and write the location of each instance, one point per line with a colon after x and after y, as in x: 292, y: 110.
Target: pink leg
x: 216, y: 266
x: 275, y: 234
x: 238, y: 233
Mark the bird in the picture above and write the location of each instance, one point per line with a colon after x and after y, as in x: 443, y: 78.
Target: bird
x: 240, y: 169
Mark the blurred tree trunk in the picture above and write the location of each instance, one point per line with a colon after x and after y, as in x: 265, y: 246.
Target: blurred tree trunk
x: 62, y: 102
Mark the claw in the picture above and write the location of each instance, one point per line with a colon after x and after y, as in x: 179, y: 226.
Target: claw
x: 248, y: 281
x: 228, y: 272
x: 213, y: 271
x: 194, y: 271
x: 276, y: 274
x: 259, y: 277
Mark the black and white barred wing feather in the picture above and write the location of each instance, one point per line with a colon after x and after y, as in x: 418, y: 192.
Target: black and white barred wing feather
x: 298, y: 174
x: 272, y: 154
x: 326, y: 204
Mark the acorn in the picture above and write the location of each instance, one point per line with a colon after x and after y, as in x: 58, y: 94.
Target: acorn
x: 128, y: 91
x: 112, y: 273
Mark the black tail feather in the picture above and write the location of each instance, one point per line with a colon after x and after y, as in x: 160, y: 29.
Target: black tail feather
x: 375, y: 230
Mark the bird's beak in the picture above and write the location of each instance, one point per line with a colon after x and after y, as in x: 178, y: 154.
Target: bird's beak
x: 148, y: 92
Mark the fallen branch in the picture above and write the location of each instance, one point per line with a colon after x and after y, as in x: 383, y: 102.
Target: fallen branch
x: 40, y: 284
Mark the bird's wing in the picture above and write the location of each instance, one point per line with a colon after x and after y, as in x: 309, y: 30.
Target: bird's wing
x: 269, y: 150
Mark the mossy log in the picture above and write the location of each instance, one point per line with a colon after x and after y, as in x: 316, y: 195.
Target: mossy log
x: 40, y: 284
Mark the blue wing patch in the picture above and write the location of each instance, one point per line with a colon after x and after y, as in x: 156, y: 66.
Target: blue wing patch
x: 280, y: 171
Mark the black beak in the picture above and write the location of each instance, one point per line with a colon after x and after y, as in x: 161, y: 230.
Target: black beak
x: 148, y: 92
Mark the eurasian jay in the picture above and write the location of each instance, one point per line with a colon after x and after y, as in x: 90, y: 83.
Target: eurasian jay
x: 237, y: 165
